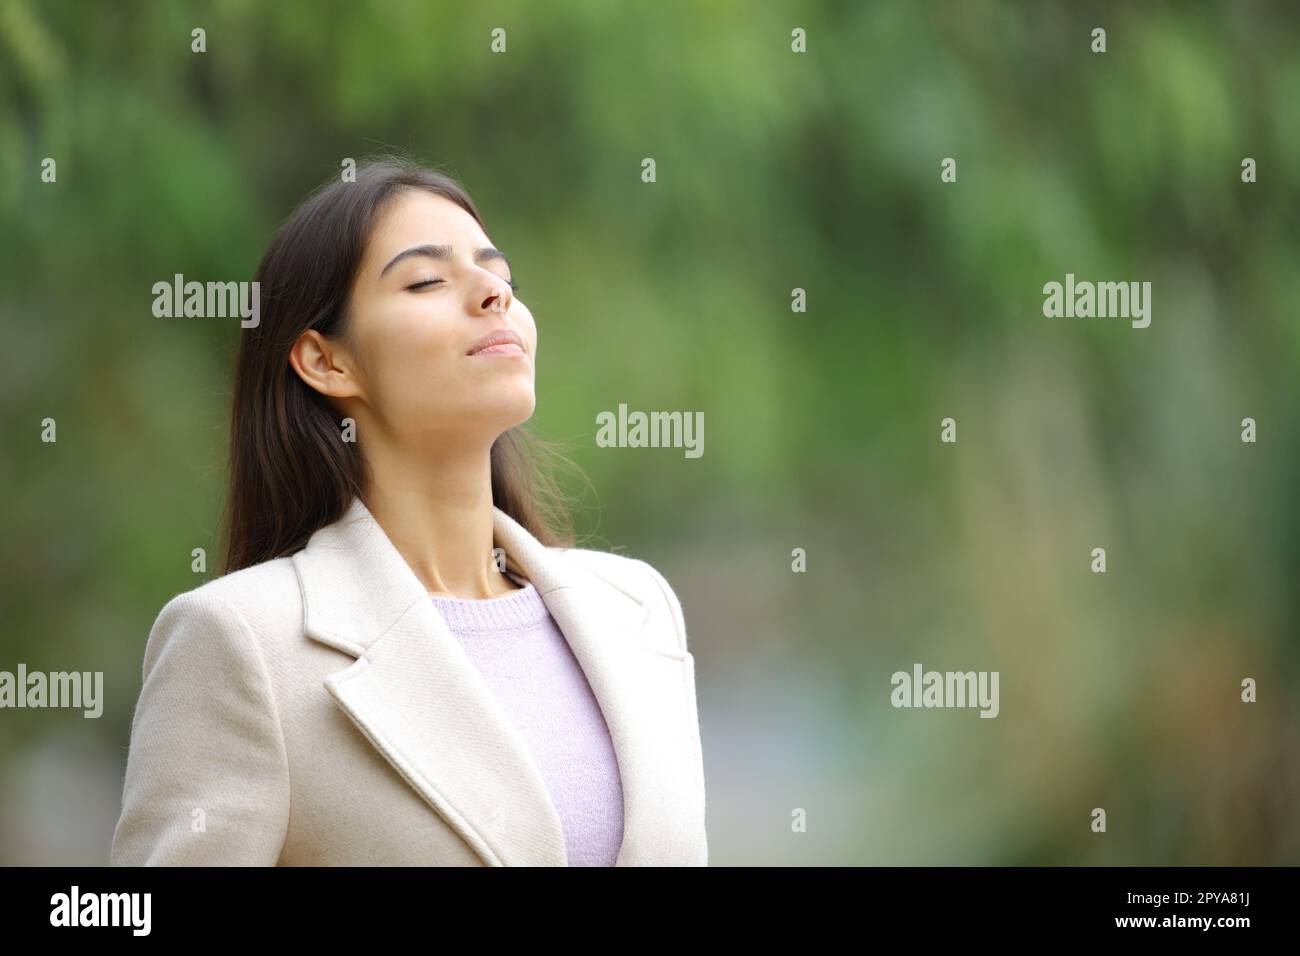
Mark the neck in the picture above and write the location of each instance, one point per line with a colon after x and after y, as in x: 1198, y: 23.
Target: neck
x: 437, y: 511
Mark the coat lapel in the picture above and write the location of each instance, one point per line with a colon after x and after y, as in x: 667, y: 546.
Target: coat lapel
x: 420, y: 700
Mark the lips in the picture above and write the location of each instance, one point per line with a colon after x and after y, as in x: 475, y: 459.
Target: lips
x: 500, y: 342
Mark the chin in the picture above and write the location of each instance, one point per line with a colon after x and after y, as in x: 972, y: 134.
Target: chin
x: 523, y: 413
x: 510, y: 412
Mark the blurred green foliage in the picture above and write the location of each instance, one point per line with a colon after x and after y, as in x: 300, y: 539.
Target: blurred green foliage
x: 775, y: 171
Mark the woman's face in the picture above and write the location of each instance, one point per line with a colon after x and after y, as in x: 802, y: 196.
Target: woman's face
x: 431, y: 288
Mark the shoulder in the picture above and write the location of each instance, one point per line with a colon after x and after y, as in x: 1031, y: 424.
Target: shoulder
x: 629, y: 574
x: 252, y: 602
x: 637, y: 578
x: 254, y: 591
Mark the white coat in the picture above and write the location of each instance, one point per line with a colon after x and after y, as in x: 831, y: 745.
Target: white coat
x: 315, y: 710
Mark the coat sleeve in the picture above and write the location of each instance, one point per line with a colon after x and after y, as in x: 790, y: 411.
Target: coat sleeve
x: 679, y: 621
x: 207, y: 780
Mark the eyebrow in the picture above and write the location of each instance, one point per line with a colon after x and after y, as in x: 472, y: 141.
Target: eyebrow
x: 443, y: 253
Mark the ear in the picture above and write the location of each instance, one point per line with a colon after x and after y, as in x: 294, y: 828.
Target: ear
x: 325, y: 365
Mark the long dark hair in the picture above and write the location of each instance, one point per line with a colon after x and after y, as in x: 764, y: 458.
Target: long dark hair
x: 290, y: 471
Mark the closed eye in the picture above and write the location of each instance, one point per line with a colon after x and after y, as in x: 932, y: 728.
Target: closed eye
x: 514, y: 286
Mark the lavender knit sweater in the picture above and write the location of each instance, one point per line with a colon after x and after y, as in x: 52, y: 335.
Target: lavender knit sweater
x: 530, y: 668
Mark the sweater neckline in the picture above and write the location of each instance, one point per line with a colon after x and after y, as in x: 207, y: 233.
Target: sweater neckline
x: 518, y: 609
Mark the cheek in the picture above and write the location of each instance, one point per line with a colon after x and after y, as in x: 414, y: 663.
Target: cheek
x: 527, y: 327
x: 406, y: 353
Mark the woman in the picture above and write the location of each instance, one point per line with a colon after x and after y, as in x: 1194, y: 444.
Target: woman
x: 402, y: 665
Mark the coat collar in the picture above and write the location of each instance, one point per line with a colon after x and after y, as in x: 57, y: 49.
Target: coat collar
x: 420, y: 700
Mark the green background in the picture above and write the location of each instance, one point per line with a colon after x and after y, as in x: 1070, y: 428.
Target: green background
x: 775, y: 171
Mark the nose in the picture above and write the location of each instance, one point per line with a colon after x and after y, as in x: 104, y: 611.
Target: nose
x: 498, y: 298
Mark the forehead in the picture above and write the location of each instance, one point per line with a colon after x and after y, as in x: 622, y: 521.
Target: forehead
x: 417, y: 217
